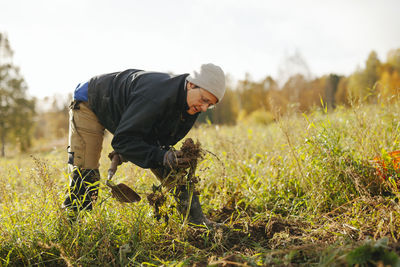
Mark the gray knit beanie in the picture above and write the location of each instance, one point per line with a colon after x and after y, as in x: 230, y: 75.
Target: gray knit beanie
x: 211, y: 78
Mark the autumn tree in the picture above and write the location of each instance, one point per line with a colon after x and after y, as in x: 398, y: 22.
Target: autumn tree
x: 16, y: 110
x: 389, y: 80
x: 393, y: 59
x: 293, y: 65
x: 255, y: 95
x: 227, y: 111
x: 342, y: 94
x: 362, y: 83
x: 331, y: 87
x: 294, y: 87
x: 371, y: 74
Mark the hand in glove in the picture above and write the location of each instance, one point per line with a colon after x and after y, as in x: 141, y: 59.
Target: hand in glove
x: 175, y: 159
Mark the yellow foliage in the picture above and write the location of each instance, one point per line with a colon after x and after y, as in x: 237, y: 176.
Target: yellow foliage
x: 389, y: 83
x: 242, y: 115
x: 259, y: 116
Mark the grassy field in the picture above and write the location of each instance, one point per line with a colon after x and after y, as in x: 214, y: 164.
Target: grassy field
x: 301, y: 191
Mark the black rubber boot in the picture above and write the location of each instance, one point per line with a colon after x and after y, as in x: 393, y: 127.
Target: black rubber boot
x: 189, y: 206
x: 83, y: 190
x: 188, y: 201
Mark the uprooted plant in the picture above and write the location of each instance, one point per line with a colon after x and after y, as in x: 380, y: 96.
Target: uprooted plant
x: 176, y: 178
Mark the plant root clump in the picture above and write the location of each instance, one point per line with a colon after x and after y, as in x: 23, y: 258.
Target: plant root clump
x: 157, y: 200
x: 176, y: 178
x: 194, y: 153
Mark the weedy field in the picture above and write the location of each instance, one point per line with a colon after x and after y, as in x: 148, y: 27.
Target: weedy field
x: 302, y: 191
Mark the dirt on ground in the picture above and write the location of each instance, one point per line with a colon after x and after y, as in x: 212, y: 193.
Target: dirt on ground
x: 241, y: 236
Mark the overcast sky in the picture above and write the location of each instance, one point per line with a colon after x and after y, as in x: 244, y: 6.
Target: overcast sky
x: 59, y: 43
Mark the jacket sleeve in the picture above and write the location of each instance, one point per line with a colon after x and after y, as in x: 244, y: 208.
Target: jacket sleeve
x: 136, y: 123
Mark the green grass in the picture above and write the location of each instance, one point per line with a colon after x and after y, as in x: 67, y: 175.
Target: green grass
x: 301, y: 191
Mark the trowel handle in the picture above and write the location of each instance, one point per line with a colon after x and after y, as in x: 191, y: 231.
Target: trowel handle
x: 113, y: 167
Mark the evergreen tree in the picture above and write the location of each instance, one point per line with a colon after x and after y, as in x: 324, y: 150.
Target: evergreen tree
x: 16, y: 110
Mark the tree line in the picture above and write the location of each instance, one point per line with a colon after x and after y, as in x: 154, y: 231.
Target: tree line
x: 247, y: 101
x: 262, y: 101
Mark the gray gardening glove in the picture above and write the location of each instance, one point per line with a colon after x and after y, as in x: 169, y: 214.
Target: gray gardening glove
x: 175, y: 159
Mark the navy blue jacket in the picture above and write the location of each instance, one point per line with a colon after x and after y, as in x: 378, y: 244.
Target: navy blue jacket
x: 146, y: 112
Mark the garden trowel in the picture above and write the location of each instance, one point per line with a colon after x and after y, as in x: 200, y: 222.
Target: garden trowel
x: 121, y: 192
